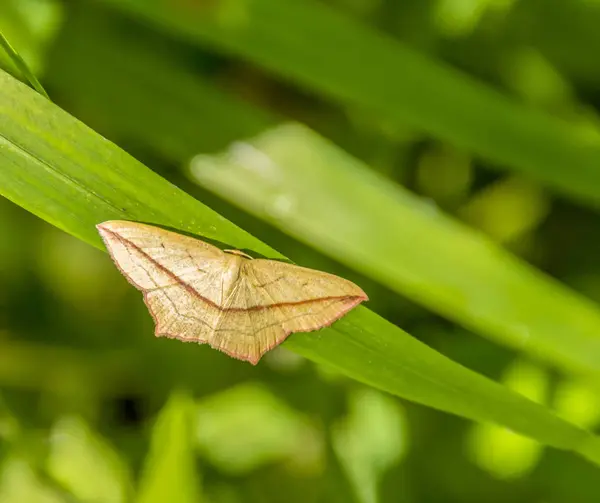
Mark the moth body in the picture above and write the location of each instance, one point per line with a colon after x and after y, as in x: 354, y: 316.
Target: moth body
x: 231, y: 274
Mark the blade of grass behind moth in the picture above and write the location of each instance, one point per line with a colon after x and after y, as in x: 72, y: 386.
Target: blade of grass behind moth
x: 312, y: 190
x: 315, y: 46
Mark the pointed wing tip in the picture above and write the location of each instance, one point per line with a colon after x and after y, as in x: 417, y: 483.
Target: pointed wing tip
x: 356, y: 292
x: 244, y: 358
x: 104, y: 228
x: 111, y: 225
x: 161, y: 332
x: 240, y: 356
x: 253, y: 361
x: 105, y: 233
x: 361, y: 296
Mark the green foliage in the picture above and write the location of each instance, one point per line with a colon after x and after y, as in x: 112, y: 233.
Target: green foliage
x: 22, y: 66
x: 171, y: 472
x: 313, y: 191
x: 90, y: 173
x: 98, y: 410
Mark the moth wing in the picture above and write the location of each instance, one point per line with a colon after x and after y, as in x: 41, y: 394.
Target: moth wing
x: 152, y: 258
x: 274, y: 299
x: 177, y: 275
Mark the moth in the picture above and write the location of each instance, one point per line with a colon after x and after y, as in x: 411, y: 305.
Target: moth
x: 242, y: 306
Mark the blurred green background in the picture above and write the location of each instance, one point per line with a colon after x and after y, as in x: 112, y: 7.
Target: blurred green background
x: 443, y: 154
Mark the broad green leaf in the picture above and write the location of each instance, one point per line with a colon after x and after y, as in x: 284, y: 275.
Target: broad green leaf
x: 316, y: 47
x: 62, y: 171
x: 170, y: 472
x: 310, y: 189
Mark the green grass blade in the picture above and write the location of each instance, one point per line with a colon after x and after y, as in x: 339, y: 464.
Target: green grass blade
x: 312, y: 190
x: 62, y: 171
x: 320, y: 49
x: 19, y: 62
